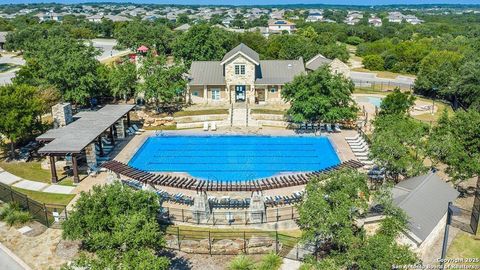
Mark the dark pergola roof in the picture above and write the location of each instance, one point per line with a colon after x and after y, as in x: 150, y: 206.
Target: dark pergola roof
x: 77, y: 135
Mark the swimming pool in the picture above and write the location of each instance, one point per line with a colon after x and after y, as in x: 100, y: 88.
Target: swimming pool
x: 234, y: 158
x: 374, y: 100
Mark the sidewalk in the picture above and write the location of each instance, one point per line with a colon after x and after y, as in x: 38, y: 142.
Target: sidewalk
x: 15, y: 181
x: 8, y: 260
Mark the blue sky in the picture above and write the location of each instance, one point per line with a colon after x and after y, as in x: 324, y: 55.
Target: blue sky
x: 262, y: 2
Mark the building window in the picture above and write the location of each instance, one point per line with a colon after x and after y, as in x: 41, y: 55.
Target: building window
x: 216, y: 94
x: 239, y: 69
x: 195, y: 93
x: 273, y: 90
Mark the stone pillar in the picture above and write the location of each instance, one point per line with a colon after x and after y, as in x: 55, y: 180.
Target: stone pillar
x: 205, y: 93
x: 128, y: 119
x: 76, y: 179
x: 110, y: 135
x: 266, y: 94
x: 201, y: 207
x: 100, y: 146
x: 91, y: 155
x: 257, y: 208
x: 53, y: 169
x: 62, y: 114
x: 120, y: 127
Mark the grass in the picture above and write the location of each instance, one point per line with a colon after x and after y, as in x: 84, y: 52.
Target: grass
x: 13, y: 214
x: 170, y: 127
x: 268, y: 111
x: 28, y: 170
x: 111, y: 60
x: 383, y: 74
x: 200, y: 112
x: 464, y: 246
x: 47, y: 198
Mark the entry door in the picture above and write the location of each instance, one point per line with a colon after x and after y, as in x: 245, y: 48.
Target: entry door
x: 261, y: 95
x: 240, y: 93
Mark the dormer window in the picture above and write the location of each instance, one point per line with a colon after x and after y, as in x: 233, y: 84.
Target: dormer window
x: 239, y: 69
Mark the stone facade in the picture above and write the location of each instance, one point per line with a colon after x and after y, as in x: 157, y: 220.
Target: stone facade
x: 90, y: 153
x: 62, y: 114
x: 338, y: 67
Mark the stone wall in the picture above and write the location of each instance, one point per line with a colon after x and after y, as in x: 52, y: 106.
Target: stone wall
x: 236, y: 79
x: 62, y: 114
x: 338, y: 67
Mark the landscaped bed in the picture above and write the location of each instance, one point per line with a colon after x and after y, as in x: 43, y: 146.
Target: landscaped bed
x: 267, y: 111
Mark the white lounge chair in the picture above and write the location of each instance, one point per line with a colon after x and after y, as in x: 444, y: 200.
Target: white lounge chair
x: 353, y: 138
x: 205, y: 126
x: 361, y: 154
x: 135, y: 127
x: 357, y: 143
x: 359, y: 139
x: 213, y: 126
x: 359, y: 150
x: 363, y: 158
x: 337, y: 128
x: 357, y: 147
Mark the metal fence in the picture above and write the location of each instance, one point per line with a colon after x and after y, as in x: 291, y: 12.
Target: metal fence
x: 236, y: 242
x: 230, y: 217
x: 382, y: 86
x: 50, y: 215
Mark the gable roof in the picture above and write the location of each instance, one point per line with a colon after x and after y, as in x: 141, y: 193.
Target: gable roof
x: 317, y: 61
x: 206, y: 73
x: 279, y: 71
x: 245, y: 51
x: 424, y: 199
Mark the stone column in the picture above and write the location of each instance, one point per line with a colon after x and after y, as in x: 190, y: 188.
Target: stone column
x: 91, y: 155
x: 128, y: 119
x: 205, y: 93
x: 257, y: 208
x: 120, y: 126
x: 76, y: 179
x: 266, y: 94
x: 201, y: 207
x: 53, y: 169
x: 110, y: 135
x: 100, y: 146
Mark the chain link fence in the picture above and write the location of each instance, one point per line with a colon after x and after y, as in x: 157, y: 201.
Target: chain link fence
x: 382, y: 86
x: 50, y: 215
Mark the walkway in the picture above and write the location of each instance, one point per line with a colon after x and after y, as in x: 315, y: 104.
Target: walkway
x: 15, y: 181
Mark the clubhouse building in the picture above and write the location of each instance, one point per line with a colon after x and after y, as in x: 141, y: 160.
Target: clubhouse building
x: 242, y: 77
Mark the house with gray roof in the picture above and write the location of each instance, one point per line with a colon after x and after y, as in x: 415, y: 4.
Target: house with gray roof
x: 336, y: 66
x: 241, y: 77
x: 425, y: 200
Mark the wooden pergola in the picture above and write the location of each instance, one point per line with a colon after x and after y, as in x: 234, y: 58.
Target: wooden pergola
x: 72, y: 139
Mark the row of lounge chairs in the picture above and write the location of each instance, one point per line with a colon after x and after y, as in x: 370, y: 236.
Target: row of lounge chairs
x: 179, y: 198
x: 359, y: 148
x: 206, y: 185
x: 283, y: 200
x: 134, y: 130
x: 212, y: 125
x: 314, y: 127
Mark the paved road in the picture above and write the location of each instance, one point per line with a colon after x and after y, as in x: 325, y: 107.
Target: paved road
x: 6, y: 77
x: 106, y: 48
x: 7, y: 262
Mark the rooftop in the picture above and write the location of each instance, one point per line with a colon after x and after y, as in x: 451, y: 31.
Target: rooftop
x: 77, y: 135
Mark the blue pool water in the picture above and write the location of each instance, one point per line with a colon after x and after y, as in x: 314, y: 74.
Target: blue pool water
x: 234, y: 158
x: 376, y: 101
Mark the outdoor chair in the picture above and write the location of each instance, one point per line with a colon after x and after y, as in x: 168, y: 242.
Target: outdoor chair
x: 329, y: 128
x: 354, y: 138
x: 136, y: 128
x: 337, y: 128
x: 205, y: 126
x: 213, y: 126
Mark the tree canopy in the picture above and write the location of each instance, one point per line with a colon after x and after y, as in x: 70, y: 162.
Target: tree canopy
x: 320, y: 96
x: 122, y: 80
x: 397, y: 103
x: 153, y: 35
x: 119, y: 225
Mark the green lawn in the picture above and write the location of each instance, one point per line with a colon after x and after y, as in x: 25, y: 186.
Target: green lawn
x: 464, y: 246
x: 200, y: 112
x: 28, y: 170
x: 47, y: 198
x: 268, y: 111
x: 171, y: 127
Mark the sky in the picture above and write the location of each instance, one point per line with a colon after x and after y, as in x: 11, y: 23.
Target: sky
x: 260, y: 2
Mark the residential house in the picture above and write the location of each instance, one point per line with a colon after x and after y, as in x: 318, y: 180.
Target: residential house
x: 278, y: 26
x: 395, y: 17
x: 353, y: 17
x: 336, y: 66
x: 97, y: 18
x: 183, y: 27
x: 241, y: 77
x: 375, y: 21
x: 412, y: 19
x: 314, y: 17
x: 3, y: 39
x: 50, y: 16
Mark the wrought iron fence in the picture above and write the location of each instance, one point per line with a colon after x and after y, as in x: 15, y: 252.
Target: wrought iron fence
x: 382, y: 86
x: 50, y: 215
x: 237, y: 242
x: 229, y: 217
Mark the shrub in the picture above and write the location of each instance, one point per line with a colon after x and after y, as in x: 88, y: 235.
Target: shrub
x: 270, y: 261
x: 373, y: 62
x: 354, y: 40
x: 12, y: 214
x: 241, y: 262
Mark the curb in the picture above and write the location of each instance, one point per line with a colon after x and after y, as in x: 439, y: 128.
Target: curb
x: 12, y: 255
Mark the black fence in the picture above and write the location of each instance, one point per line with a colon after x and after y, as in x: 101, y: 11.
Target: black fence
x: 223, y: 242
x: 227, y: 217
x: 382, y: 86
x: 50, y: 215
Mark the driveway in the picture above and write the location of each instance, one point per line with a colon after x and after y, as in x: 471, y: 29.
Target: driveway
x: 106, y: 48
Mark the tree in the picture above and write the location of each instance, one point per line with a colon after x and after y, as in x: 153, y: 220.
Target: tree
x: 373, y: 62
x: 332, y: 203
x: 163, y: 84
x: 435, y: 73
x: 398, y: 145
x: 466, y: 86
x: 137, y: 33
x: 320, y: 96
x: 203, y: 43
x: 397, y: 103
x: 454, y: 141
x: 119, y: 225
x: 20, y: 108
x: 65, y: 63
x: 123, y: 80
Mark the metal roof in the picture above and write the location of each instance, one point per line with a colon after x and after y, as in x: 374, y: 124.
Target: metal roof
x: 317, y: 61
x: 243, y: 49
x: 206, y: 73
x: 279, y: 71
x: 425, y: 200
x: 74, y: 137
